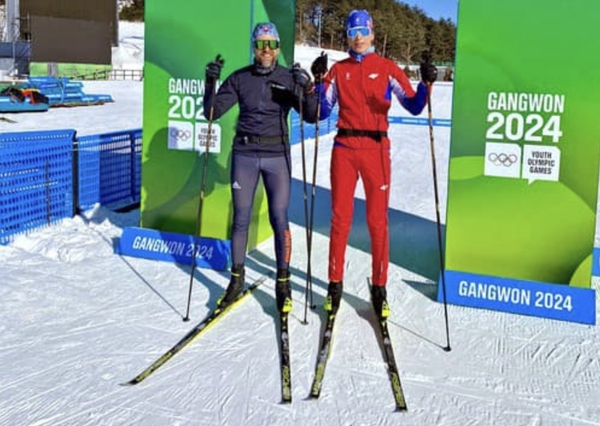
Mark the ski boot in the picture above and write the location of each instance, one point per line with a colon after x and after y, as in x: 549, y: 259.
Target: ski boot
x: 235, y: 287
x: 378, y: 297
x: 283, y: 293
x: 334, y: 296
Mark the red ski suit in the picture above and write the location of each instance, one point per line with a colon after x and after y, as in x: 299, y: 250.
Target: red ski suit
x: 362, y: 86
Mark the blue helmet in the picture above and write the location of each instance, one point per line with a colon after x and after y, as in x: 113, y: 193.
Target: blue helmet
x: 359, y: 18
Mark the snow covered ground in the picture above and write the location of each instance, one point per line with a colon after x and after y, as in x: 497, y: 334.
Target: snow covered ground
x: 77, y: 319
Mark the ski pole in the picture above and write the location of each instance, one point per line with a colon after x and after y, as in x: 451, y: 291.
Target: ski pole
x: 437, y: 212
x: 304, y: 193
x: 313, y: 197
x: 201, y: 196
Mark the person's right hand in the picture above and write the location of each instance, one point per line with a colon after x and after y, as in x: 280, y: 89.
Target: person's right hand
x: 319, y: 66
x: 213, y: 71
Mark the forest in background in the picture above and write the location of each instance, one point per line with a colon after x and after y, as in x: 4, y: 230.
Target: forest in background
x: 403, y: 33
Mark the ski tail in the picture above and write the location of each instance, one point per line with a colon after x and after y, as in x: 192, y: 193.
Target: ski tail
x: 286, y: 371
x: 193, y: 334
x: 323, y: 356
x: 393, y: 373
x: 390, y: 360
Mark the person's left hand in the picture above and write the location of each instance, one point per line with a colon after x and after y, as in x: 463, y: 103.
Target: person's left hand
x: 429, y: 72
x: 302, y: 78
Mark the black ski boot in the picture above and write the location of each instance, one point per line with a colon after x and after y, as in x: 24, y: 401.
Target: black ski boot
x: 283, y: 292
x: 235, y: 287
x: 378, y: 297
x: 334, y: 296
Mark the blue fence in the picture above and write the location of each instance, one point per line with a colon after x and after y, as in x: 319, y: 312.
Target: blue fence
x: 329, y: 125
x: 48, y: 176
x: 109, y: 169
x: 325, y: 127
x: 35, y: 180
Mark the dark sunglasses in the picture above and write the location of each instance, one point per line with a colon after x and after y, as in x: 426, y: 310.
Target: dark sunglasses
x: 261, y: 44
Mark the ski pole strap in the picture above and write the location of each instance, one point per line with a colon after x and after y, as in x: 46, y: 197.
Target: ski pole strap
x: 247, y: 138
x: 376, y: 135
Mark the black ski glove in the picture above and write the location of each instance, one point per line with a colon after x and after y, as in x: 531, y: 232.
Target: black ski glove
x: 428, y: 72
x: 302, y: 78
x: 213, y: 71
x: 319, y: 67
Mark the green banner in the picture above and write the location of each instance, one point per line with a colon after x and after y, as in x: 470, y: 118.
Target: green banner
x: 181, y: 37
x: 525, y: 144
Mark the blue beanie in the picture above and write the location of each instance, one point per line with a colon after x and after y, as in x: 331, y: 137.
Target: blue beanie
x: 265, y: 28
x: 359, y: 18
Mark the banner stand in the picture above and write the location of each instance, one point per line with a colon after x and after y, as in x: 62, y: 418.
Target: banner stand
x: 524, y: 160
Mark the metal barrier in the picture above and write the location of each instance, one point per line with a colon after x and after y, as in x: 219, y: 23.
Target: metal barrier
x: 51, y: 175
x: 107, y: 74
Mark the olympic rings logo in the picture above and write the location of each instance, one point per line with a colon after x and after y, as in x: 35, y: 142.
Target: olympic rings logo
x: 502, y: 159
x: 178, y: 134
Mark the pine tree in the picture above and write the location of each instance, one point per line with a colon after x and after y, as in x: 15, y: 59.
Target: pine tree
x: 133, y: 12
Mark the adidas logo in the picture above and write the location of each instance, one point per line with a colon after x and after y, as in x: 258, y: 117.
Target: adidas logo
x: 236, y: 185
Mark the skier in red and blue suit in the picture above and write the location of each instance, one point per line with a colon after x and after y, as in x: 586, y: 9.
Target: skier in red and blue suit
x: 362, y: 86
